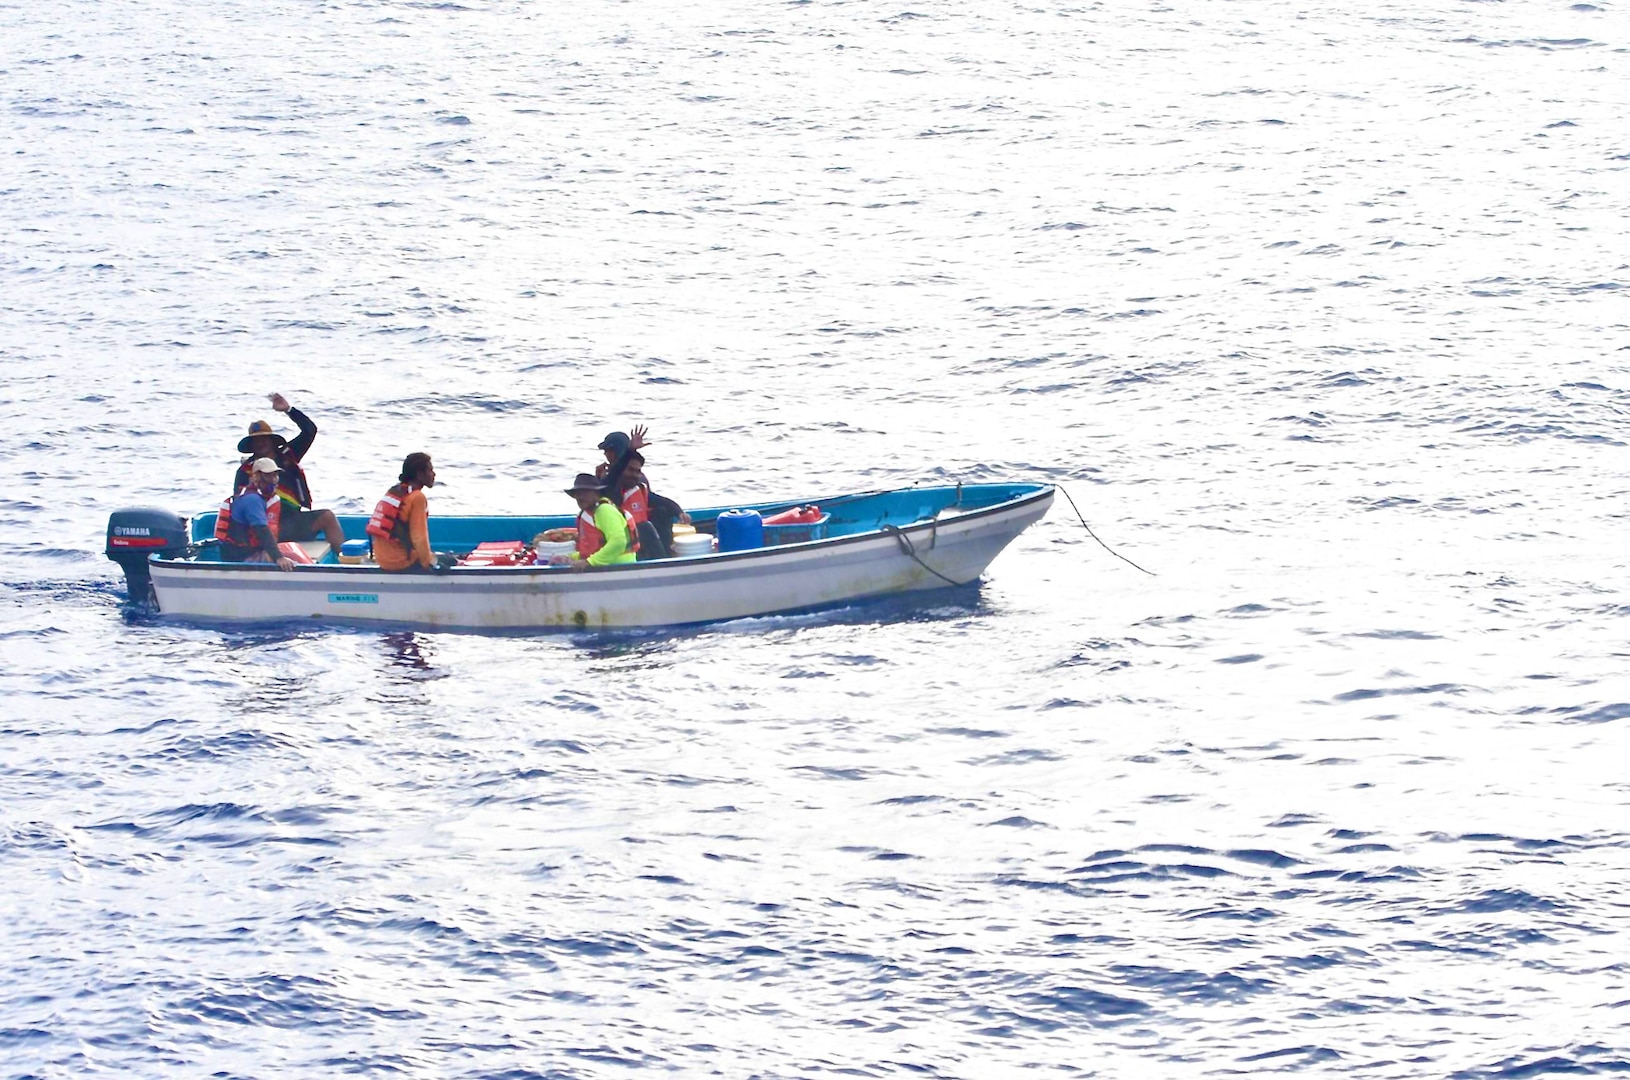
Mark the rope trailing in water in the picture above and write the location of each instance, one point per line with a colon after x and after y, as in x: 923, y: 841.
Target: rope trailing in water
x: 1094, y: 535
x: 907, y: 547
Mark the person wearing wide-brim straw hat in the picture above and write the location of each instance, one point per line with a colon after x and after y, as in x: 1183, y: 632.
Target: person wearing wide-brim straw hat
x: 263, y: 442
x: 299, y: 521
x: 604, y: 535
x: 586, y: 484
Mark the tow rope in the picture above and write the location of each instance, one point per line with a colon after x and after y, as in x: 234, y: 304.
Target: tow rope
x: 1094, y: 535
x: 908, y: 548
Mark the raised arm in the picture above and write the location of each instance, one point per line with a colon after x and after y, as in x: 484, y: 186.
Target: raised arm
x: 613, y: 478
x: 308, y: 431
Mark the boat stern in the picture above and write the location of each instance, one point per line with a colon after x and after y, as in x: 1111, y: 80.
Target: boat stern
x: 137, y: 533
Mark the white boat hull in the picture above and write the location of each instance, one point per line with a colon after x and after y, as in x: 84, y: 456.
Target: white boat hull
x: 668, y: 592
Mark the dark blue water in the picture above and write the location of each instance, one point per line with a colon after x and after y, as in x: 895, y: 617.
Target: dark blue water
x: 1319, y: 313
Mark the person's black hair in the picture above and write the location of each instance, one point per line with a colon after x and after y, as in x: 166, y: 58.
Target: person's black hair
x: 412, y: 466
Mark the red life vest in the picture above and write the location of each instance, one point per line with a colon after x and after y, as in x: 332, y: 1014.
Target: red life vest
x: 387, y: 523
x: 637, y: 505
x: 223, y: 519
x: 590, y: 539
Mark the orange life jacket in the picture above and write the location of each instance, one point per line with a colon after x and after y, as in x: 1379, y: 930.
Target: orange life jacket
x: 387, y: 522
x: 637, y: 505
x: 590, y: 539
x: 223, y: 520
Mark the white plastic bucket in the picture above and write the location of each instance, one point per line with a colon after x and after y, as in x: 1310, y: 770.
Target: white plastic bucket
x: 544, y: 549
x: 695, y: 544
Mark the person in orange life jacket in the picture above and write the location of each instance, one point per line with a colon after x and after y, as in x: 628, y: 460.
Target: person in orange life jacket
x: 653, y: 515
x: 604, y: 535
x: 300, y: 521
x: 400, y: 526
x: 250, y: 534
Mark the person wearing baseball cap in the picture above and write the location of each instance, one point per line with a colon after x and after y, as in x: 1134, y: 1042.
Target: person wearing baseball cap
x: 620, y: 448
x: 299, y: 521
x: 627, y: 487
x: 251, y: 535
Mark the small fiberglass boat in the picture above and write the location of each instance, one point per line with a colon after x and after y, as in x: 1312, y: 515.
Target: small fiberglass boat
x: 862, y: 545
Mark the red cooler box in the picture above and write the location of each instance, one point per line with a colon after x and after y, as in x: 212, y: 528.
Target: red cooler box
x: 496, y: 553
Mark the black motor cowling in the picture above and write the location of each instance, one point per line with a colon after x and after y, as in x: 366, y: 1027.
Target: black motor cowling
x: 140, y: 531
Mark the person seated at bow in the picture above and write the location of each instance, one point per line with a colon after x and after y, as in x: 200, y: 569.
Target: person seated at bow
x: 247, y: 526
x: 653, y: 515
x: 299, y: 521
x: 400, y: 525
x: 605, y: 536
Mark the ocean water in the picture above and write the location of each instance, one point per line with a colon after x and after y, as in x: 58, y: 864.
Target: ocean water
x: 1320, y: 314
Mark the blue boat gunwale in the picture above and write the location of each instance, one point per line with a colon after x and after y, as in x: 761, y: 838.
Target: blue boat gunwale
x: 1033, y: 492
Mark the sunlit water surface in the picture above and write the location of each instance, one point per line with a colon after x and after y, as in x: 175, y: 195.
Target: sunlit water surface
x: 1319, y: 314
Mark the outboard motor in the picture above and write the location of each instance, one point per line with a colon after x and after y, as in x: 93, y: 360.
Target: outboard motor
x: 138, y: 532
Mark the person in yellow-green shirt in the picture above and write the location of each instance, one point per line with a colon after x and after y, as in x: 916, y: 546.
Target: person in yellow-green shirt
x: 605, y: 536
